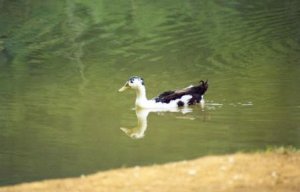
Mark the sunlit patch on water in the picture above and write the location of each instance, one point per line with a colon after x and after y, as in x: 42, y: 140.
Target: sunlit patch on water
x: 211, y: 105
x: 186, y: 117
x: 241, y: 104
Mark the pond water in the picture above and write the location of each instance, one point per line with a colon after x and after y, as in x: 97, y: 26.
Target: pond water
x: 62, y: 62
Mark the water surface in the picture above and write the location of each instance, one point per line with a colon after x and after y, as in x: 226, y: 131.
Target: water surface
x: 62, y: 62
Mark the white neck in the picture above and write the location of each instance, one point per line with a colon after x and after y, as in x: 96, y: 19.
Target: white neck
x: 141, y: 98
x: 138, y: 132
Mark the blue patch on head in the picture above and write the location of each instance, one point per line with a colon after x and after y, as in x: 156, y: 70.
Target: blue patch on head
x: 131, y: 79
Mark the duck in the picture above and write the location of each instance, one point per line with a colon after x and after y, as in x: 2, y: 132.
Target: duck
x: 188, y: 96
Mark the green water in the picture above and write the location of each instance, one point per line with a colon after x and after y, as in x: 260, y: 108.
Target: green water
x: 62, y: 62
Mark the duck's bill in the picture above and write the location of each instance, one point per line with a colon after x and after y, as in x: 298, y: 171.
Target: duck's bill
x: 126, y: 86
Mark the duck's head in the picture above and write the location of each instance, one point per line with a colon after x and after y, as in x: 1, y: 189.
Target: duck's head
x: 134, y: 82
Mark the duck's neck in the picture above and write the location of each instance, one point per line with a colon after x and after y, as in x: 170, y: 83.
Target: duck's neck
x: 141, y: 98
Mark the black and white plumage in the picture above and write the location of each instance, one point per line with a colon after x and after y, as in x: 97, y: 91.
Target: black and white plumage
x: 169, y: 99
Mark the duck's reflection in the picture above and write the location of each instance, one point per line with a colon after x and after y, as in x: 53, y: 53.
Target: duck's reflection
x: 138, y: 132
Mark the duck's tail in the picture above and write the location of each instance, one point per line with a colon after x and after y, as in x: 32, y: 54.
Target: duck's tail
x: 197, y: 92
x: 203, y: 87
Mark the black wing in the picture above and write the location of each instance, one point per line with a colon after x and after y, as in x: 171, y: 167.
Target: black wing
x: 195, y: 91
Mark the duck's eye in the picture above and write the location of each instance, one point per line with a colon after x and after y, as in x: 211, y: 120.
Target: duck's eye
x: 131, y: 80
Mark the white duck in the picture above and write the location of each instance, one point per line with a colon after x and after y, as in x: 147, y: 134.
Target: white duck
x: 169, y: 99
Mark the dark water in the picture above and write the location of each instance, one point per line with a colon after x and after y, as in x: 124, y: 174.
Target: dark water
x: 62, y: 62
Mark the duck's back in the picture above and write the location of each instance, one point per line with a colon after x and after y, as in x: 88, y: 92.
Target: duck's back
x: 196, y: 93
